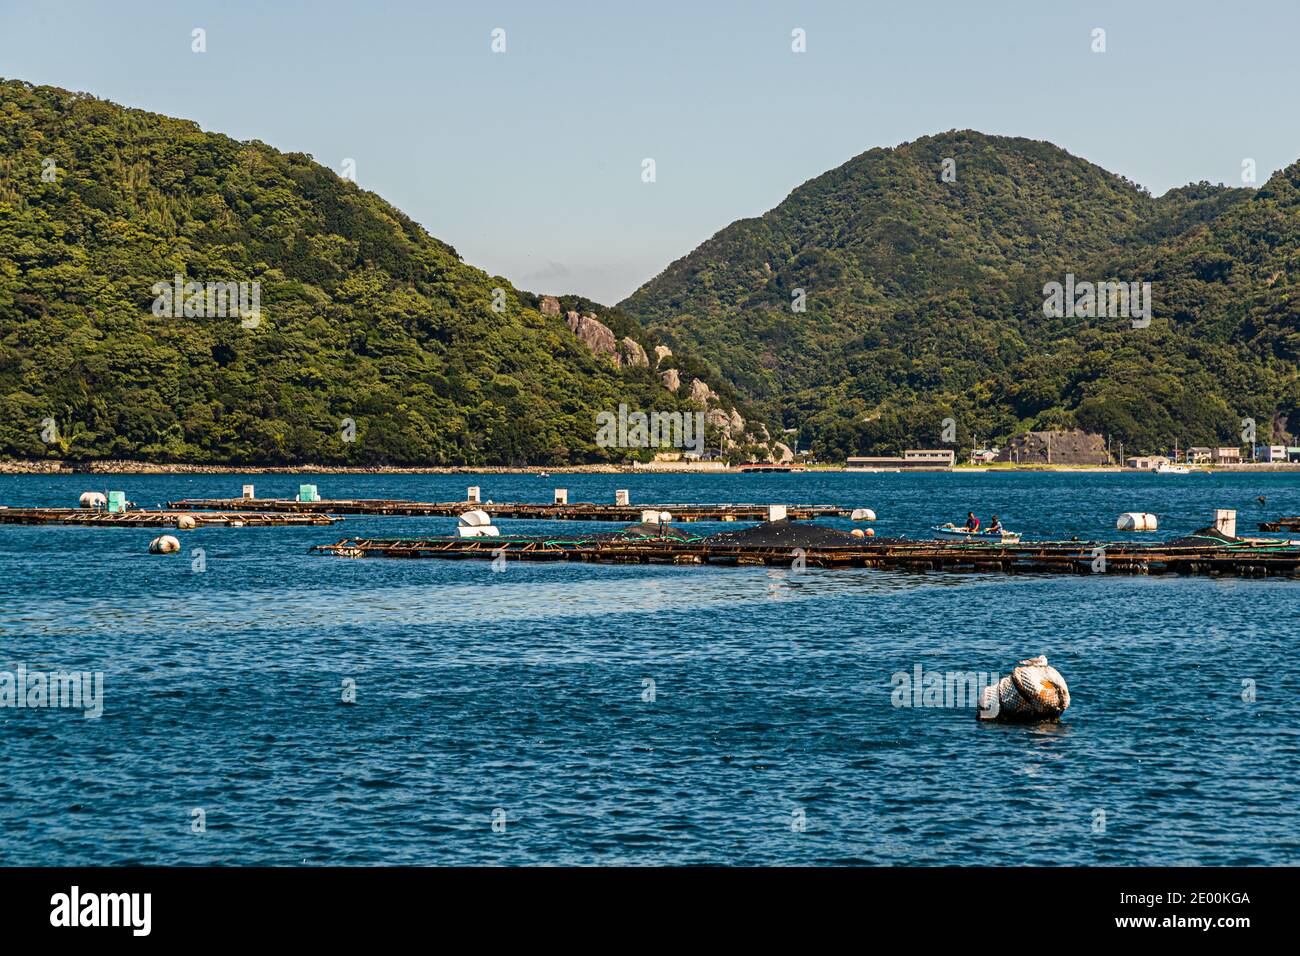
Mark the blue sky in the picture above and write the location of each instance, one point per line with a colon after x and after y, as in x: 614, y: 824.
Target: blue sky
x: 529, y: 162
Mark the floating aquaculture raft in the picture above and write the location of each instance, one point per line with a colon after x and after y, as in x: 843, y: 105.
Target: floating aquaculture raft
x: 576, y: 511
x: 1281, y: 524
x: 1243, y: 559
x: 154, y: 519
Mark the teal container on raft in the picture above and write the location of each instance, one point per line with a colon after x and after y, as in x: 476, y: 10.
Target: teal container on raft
x: 308, y: 493
x: 116, y: 502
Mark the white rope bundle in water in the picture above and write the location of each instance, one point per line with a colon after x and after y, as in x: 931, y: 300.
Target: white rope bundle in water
x: 1035, y: 691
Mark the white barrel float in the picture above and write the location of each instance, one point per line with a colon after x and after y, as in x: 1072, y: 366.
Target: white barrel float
x: 862, y: 514
x: 776, y: 513
x: 476, y: 524
x: 1035, y: 691
x: 185, y: 522
x: 472, y: 494
x: 164, y: 544
x: 92, y: 499
x: 561, y: 496
x: 249, y: 492
x: 649, y: 517
x: 1136, y: 521
x: 620, y: 497
x: 1225, y: 522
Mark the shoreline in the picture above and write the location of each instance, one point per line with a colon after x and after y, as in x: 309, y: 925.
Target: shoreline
x: 124, y: 467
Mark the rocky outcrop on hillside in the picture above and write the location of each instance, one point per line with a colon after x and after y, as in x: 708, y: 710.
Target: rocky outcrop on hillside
x: 700, y: 392
x: 718, y: 418
x: 729, y: 422
x: 628, y: 353
x: 632, y: 354
x: 596, y: 335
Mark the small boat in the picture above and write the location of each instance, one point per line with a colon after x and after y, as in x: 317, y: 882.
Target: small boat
x: 953, y: 531
x: 1164, y: 468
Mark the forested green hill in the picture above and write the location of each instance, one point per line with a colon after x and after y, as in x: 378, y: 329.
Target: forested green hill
x: 364, y: 316
x: 924, y: 300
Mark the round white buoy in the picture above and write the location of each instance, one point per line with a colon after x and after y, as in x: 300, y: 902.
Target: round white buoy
x: 1136, y: 521
x: 185, y: 522
x: 164, y: 544
x: 92, y: 499
x: 857, y: 533
x: 665, y: 517
x: 475, y: 519
x: 1035, y: 691
x: 862, y: 514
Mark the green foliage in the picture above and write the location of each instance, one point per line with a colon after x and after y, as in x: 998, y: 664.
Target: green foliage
x: 364, y: 315
x: 924, y: 301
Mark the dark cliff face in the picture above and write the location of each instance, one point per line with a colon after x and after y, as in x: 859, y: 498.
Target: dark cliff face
x: 1056, y: 448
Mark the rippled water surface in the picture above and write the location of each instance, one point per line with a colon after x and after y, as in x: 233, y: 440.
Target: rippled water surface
x: 771, y: 737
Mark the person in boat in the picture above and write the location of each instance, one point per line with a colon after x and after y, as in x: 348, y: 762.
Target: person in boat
x: 995, y: 526
x: 972, y: 522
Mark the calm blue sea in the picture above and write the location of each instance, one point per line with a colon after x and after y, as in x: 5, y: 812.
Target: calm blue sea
x: 524, y: 696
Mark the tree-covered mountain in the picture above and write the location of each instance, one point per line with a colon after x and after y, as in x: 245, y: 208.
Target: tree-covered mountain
x: 368, y: 328
x: 878, y: 300
x: 920, y: 271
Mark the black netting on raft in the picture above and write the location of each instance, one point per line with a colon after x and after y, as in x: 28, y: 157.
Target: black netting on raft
x: 652, y: 530
x: 787, y: 534
x: 1205, y: 537
x: 649, y: 531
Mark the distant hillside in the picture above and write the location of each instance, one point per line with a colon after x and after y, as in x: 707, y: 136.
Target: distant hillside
x: 924, y: 301
x: 364, y: 317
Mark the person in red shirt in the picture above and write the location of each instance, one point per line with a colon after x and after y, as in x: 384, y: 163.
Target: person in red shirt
x: 972, y: 522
